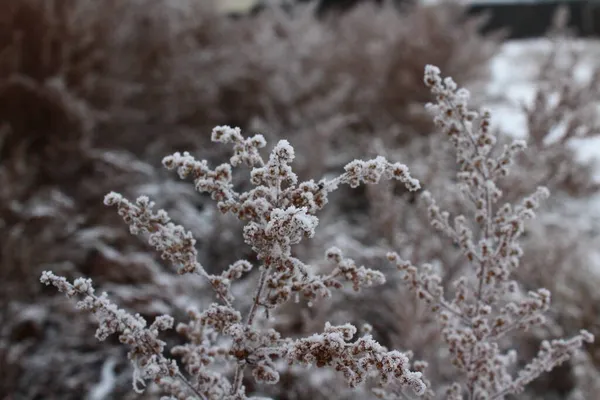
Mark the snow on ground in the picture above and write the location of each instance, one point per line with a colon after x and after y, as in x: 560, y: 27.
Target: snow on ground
x: 512, y: 71
x: 511, y: 83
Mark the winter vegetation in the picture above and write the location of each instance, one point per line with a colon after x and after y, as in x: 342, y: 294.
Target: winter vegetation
x: 356, y: 225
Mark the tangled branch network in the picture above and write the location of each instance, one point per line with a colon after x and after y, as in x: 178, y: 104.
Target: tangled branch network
x: 226, y: 340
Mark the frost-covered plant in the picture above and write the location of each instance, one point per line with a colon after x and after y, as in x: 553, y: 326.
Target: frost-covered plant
x: 487, y: 304
x: 106, y: 82
x: 559, y: 245
x: 486, y: 307
x: 223, y: 341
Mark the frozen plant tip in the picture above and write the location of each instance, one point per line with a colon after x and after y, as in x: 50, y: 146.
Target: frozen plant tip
x: 222, y: 342
x: 146, y: 354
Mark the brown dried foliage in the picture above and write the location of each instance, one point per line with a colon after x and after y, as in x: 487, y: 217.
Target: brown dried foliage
x: 92, y: 95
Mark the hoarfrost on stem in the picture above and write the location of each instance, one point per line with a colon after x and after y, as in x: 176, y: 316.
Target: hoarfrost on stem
x: 278, y: 213
x: 487, y: 304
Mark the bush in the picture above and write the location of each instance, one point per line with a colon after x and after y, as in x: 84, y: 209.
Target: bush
x: 91, y: 97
